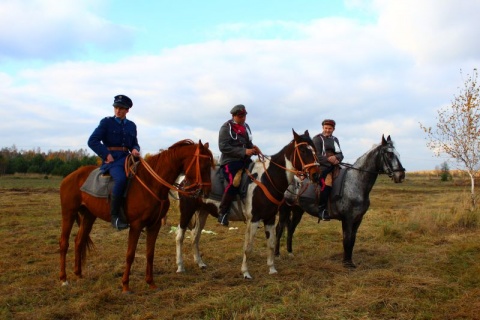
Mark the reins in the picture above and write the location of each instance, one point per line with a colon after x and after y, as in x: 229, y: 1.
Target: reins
x: 351, y: 166
x: 130, y: 166
x: 297, y: 173
x: 385, y: 162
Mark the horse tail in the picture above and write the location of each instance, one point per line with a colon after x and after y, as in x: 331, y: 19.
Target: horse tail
x: 85, y: 223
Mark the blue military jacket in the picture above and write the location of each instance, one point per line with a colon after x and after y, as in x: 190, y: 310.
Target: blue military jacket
x: 112, y: 132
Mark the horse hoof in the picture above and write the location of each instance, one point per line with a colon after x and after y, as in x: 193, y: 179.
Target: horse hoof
x: 181, y: 270
x: 127, y: 292
x: 349, y: 265
x: 65, y: 284
x: 204, y: 267
x: 273, y: 271
x: 247, y: 276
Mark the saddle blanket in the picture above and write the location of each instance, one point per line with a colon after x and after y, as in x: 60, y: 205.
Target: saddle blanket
x: 97, y: 184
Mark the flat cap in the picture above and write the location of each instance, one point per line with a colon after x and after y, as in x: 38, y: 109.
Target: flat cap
x: 238, y: 110
x: 328, y: 122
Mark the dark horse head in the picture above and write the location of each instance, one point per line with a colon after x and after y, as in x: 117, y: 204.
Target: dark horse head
x: 390, y: 161
x: 303, y: 156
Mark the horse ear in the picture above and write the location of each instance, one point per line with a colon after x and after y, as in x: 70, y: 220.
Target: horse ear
x: 206, y: 145
x: 200, y: 142
x: 383, y: 140
x: 295, y: 135
x: 307, y: 133
x: 389, y: 139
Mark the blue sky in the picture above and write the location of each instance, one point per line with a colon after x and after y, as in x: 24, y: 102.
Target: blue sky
x: 377, y: 67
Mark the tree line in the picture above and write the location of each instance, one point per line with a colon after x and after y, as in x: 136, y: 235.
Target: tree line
x: 58, y: 163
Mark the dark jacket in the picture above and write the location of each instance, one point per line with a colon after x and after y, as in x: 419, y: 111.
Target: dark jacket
x: 327, y: 146
x: 233, y: 145
x: 111, y: 133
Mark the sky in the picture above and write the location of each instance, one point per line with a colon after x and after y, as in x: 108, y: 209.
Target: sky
x: 377, y: 67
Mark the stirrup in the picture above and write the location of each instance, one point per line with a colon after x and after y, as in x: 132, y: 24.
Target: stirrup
x: 119, y: 225
x: 325, y: 215
x: 223, y: 220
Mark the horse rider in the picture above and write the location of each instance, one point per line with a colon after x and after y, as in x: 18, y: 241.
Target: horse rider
x: 236, y: 147
x: 113, y: 140
x: 329, y: 156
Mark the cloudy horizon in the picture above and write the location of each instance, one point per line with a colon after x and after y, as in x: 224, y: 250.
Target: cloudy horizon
x: 376, y: 67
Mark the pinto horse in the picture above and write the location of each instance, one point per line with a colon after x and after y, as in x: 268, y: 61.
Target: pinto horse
x: 147, y: 202
x: 271, y: 178
x: 353, y: 204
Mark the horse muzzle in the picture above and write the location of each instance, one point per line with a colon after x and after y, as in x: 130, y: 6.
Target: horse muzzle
x: 398, y: 176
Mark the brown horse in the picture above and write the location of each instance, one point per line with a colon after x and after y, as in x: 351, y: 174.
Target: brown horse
x: 146, y: 203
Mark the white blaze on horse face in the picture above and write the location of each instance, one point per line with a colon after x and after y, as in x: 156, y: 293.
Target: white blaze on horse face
x: 289, y: 173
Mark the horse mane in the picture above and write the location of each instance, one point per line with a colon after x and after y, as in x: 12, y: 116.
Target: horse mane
x: 181, y: 143
x: 375, y: 146
x: 303, y: 138
x: 166, y: 155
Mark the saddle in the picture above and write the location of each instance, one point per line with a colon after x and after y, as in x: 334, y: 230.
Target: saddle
x: 219, y: 183
x: 100, y: 184
x: 308, y: 193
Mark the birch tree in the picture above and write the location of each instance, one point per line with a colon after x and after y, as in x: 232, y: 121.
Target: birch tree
x: 457, y: 132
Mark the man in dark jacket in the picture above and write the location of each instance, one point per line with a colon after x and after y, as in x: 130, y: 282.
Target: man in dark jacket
x: 329, y: 155
x: 113, y: 139
x: 235, y: 144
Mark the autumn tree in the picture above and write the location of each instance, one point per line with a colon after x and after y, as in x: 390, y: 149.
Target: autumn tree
x: 457, y: 132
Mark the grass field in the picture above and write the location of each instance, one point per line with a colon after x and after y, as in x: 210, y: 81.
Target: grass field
x: 417, y: 256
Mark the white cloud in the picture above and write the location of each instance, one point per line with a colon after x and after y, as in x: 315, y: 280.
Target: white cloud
x: 48, y: 29
x: 432, y: 30
x: 333, y: 68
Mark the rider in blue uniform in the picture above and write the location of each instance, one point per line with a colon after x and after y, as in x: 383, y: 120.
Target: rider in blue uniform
x: 113, y: 140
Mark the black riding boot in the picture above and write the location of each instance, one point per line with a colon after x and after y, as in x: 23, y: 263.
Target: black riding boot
x: 322, y: 208
x: 224, y: 208
x: 117, y: 219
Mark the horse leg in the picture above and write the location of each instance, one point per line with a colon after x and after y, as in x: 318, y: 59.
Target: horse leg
x: 250, y: 232
x: 68, y: 218
x: 283, y: 214
x: 270, y: 235
x: 179, y: 245
x: 152, y: 234
x: 296, y: 217
x: 133, y: 236
x: 349, y: 237
x: 201, y: 218
x: 188, y: 206
x: 82, y: 240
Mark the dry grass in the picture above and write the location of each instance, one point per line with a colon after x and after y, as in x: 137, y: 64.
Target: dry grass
x: 417, y: 254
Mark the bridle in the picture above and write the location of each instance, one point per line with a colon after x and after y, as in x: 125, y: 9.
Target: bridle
x: 299, y: 173
x: 386, y: 163
x: 194, y: 189
x: 198, y: 182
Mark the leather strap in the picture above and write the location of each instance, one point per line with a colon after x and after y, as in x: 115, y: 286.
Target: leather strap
x: 118, y: 149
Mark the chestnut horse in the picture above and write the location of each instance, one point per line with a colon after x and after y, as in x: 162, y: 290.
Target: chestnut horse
x: 271, y: 178
x: 353, y: 204
x: 146, y: 205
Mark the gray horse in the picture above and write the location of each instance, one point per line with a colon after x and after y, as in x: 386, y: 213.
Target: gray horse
x: 349, y: 200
